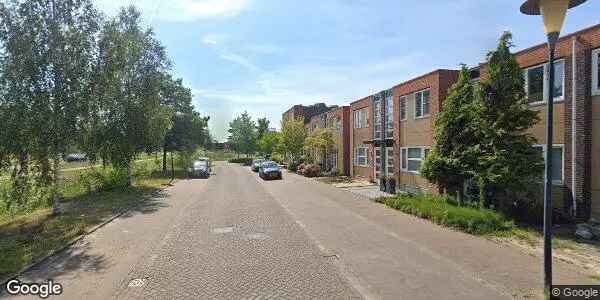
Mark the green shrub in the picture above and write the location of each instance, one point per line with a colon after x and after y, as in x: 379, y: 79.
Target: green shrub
x: 441, y: 210
x: 313, y: 170
x: 242, y: 160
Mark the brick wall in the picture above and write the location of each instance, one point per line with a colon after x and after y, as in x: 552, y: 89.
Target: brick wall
x: 359, y: 135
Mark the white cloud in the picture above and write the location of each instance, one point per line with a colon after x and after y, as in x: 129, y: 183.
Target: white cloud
x: 178, y: 10
x: 272, y: 92
x: 240, y: 60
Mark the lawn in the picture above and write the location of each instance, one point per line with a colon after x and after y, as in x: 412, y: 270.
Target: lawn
x: 496, y: 227
x: 27, y: 236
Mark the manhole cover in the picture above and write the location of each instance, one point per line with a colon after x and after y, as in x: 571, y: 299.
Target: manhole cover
x: 221, y: 230
x: 138, y: 282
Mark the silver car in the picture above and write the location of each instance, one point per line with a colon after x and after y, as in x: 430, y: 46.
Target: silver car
x: 199, y: 169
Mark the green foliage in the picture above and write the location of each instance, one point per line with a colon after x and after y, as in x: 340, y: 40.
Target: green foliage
x: 293, y: 135
x: 242, y: 160
x: 506, y: 155
x: 441, y: 210
x: 71, y: 79
x: 455, y: 154
x: 242, y: 134
x: 262, y: 127
x: 320, y: 141
x: 269, y: 143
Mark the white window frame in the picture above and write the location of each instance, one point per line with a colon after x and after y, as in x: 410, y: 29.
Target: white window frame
x: 403, y: 167
x: 357, y: 118
x: 546, y: 83
x: 422, y: 106
x: 562, y: 175
x: 357, y: 156
x: 595, y: 79
x: 400, y: 102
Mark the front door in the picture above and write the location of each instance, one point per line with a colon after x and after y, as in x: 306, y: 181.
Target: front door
x: 389, y: 161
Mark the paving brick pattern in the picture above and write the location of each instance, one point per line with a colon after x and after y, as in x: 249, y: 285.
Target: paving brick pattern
x: 237, y: 242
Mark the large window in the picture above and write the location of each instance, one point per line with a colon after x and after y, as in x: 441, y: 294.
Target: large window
x: 412, y: 158
x: 596, y: 72
x: 557, y: 162
x: 422, y: 104
x: 361, y: 118
x: 361, y: 156
x: 377, y: 127
x: 389, y: 116
x: 536, y: 82
x: 402, y: 108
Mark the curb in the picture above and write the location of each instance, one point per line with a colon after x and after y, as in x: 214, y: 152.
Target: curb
x: 70, y: 243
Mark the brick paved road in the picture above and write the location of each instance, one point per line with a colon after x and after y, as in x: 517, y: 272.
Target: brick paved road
x: 235, y: 236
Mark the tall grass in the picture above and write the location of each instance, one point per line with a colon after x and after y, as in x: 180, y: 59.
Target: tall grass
x: 441, y: 210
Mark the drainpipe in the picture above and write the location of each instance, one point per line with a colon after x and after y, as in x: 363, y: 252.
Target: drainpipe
x: 574, y: 128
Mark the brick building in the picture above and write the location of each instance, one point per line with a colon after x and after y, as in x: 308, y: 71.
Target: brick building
x: 417, y: 102
x: 306, y: 112
x: 338, y: 121
x: 576, y: 136
x: 361, y: 152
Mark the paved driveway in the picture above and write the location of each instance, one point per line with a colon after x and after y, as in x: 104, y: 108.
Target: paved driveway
x: 235, y: 236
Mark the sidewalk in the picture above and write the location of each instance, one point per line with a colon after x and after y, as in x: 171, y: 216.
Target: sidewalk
x: 392, y: 255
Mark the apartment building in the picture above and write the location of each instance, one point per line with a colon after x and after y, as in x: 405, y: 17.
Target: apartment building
x: 361, y: 151
x: 576, y: 136
x: 338, y: 121
x: 417, y: 102
x: 306, y: 112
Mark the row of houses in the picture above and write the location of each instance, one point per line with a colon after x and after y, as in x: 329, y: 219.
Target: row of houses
x: 391, y: 132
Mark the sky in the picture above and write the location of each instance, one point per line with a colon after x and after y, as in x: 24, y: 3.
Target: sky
x: 263, y: 56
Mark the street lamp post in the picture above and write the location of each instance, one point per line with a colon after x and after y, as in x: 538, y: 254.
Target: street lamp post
x: 553, y: 13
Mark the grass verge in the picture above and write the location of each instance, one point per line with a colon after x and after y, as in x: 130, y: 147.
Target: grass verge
x: 444, y: 212
x: 31, y: 235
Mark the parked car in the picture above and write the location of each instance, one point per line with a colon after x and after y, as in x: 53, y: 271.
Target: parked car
x: 199, y: 169
x: 256, y: 164
x: 75, y: 157
x: 269, y: 170
x: 208, y: 161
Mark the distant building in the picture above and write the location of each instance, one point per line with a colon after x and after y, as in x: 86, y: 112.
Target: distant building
x: 306, y: 112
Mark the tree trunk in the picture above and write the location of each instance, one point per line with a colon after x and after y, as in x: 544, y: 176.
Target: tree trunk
x: 165, y: 159
x: 460, y: 194
x: 20, y: 178
x: 172, y: 168
x: 55, y: 181
x: 129, y: 174
x: 482, y: 194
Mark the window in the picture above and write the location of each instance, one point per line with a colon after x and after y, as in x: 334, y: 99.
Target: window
x: 596, y: 72
x: 422, y: 104
x: 559, y: 80
x: 389, y: 116
x: 361, y: 118
x: 557, y: 162
x: 402, y: 108
x: 412, y: 158
x: 536, y: 82
x: 360, y: 156
x: 377, y: 119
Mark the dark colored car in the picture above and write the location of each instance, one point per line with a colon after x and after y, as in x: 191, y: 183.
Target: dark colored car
x: 256, y: 164
x: 269, y: 170
x: 199, y: 169
x: 75, y: 157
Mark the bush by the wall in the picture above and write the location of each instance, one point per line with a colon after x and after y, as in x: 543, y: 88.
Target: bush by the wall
x: 312, y: 170
x: 242, y: 160
x: 441, y: 210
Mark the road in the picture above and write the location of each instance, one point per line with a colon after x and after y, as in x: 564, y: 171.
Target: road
x: 235, y: 236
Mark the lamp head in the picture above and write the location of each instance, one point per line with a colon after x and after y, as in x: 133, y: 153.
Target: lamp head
x: 553, y: 12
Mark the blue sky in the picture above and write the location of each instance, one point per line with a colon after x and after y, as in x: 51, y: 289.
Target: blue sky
x: 264, y: 56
